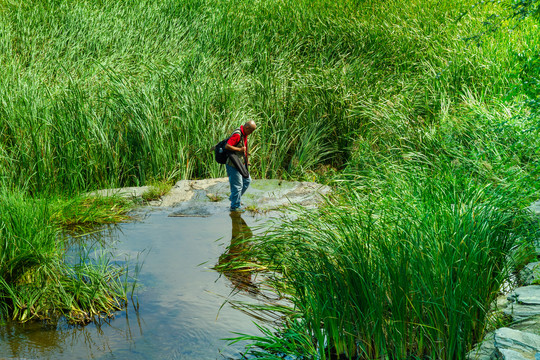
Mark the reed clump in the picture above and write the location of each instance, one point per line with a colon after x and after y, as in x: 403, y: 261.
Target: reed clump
x: 156, y: 190
x: 36, y: 282
x: 408, y: 270
x: 80, y: 213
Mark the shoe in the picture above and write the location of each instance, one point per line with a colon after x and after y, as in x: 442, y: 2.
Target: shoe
x: 238, y: 209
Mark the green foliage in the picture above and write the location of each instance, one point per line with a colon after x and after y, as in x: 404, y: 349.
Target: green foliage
x: 36, y: 282
x: 85, y: 212
x: 408, y: 261
x: 509, y: 16
x: 382, y: 95
x: 291, y: 342
x: 529, y: 75
x: 99, y: 94
x: 156, y: 190
x: 525, y: 8
x: 405, y: 269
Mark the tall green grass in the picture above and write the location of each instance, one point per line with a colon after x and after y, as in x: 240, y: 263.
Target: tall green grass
x: 405, y: 271
x: 100, y: 94
x: 36, y: 282
x: 407, y: 259
x: 108, y: 94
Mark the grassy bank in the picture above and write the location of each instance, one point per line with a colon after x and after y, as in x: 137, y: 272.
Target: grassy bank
x: 406, y: 261
x: 384, y: 97
x: 405, y: 270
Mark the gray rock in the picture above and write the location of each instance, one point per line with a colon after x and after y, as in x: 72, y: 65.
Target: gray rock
x: 535, y: 208
x: 262, y: 194
x: 501, y: 303
x: 508, y: 354
x: 530, y: 324
x: 485, y: 350
x: 530, y: 272
x: 521, y: 312
x: 524, y: 343
x: 127, y: 192
x: 526, y: 295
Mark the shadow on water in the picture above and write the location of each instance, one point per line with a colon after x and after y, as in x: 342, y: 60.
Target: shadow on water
x: 182, y: 313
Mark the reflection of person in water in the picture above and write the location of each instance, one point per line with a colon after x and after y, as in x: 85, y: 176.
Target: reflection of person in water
x: 240, y: 277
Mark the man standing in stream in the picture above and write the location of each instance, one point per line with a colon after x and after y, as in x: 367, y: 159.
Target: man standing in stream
x: 237, y: 163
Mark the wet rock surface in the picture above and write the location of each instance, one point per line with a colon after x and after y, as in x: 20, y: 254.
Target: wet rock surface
x: 200, y: 198
x: 530, y: 273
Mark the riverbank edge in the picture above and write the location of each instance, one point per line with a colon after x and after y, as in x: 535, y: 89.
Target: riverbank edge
x: 520, y: 340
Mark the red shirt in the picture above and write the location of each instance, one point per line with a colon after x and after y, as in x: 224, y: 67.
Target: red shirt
x: 235, y: 138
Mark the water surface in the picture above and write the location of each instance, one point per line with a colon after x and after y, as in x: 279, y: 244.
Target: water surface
x: 180, y: 314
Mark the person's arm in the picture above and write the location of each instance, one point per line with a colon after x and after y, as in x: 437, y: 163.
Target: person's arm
x: 235, y: 139
x: 234, y: 148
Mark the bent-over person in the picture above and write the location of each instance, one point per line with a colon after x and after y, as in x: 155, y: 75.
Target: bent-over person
x: 239, y: 179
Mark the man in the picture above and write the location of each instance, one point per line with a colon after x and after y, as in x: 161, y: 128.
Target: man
x: 238, y: 145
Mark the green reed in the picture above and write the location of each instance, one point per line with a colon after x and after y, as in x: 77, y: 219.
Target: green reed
x: 408, y: 258
x: 80, y: 213
x: 36, y: 282
x: 106, y: 94
x: 409, y: 270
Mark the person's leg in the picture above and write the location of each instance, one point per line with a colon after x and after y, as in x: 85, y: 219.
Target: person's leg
x: 245, y: 184
x: 235, y: 181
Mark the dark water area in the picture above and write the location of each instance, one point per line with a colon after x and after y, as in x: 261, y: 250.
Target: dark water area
x: 181, y: 313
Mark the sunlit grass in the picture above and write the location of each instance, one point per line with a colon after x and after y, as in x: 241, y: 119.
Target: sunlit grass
x: 156, y: 190
x: 410, y: 270
x: 36, y: 282
x: 86, y: 212
x: 145, y: 88
x: 385, y: 96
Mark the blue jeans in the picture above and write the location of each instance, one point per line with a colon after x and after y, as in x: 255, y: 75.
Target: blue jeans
x: 239, y: 185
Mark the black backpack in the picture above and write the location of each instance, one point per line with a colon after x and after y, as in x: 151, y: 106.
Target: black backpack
x: 220, y: 153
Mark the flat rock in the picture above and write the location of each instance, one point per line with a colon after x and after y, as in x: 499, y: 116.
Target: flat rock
x: 520, y: 343
x: 530, y: 324
x: 509, y: 354
x: 526, y: 295
x: 209, y: 196
x: 520, y: 312
x: 126, y: 192
x: 263, y: 195
x: 485, y: 350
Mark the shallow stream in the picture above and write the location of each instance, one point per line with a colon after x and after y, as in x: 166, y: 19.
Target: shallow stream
x: 180, y: 314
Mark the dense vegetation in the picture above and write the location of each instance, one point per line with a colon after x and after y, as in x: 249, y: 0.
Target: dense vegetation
x: 102, y: 94
x: 37, y: 281
x: 433, y: 161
